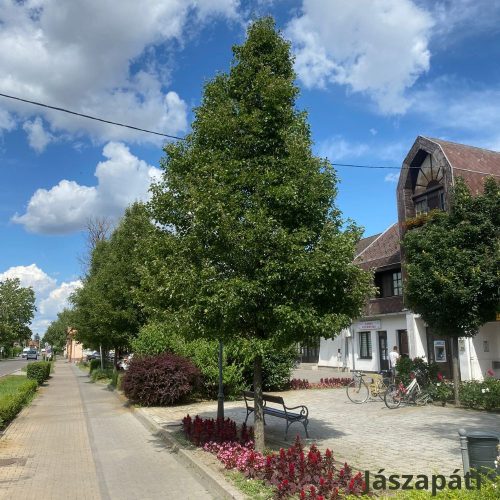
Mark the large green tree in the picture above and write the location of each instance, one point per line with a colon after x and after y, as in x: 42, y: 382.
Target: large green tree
x: 453, y: 265
x: 17, y: 308
x: 105, y: 312
x: 259, y: 252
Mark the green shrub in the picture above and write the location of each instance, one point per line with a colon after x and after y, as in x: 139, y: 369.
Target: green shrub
x: 94, y: 364
x: 441, y: 391
x: 480, y: 395
x: 101, y: 374
x: 15, y: 393
x: 39, y: 371
x: 157, y: 338
x: 427, y: 372
x: 16, y: 351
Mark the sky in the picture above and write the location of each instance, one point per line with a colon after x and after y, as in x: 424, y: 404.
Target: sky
x: 373, y: 75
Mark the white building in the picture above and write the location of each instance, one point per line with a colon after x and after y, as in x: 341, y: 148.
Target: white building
x: 435, y: 164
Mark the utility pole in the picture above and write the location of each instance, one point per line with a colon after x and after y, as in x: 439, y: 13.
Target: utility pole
x: 220, y: 396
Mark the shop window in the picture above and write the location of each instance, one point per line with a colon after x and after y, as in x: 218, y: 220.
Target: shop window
x: 365, y: 345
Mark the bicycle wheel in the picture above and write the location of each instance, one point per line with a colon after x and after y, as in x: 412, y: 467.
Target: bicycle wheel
x: 357, y: 391
x: 423, y: 398
x: 382, y: 387
x: 393, y: 397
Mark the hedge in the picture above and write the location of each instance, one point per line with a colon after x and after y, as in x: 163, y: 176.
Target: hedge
x: 15, y: 393
x: 39, y: 371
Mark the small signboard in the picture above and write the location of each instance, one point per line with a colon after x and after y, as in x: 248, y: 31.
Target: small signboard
x: 368, y: 325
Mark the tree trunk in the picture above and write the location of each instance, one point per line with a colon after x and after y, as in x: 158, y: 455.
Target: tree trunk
x: 115, y: 358
x: 455, y: 363
x: 258, y: 405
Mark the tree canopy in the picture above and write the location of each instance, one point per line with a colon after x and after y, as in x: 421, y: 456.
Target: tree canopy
x: 257, y: 250
x: 105, y: 312
x: 17, y: 308
x: 57, y: 331
x: 453, y: 263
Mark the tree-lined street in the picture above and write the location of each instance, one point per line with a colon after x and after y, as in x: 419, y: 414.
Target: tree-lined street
x: 77, y: 441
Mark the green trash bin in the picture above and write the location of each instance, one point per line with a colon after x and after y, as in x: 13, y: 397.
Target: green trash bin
x: 479, y: 451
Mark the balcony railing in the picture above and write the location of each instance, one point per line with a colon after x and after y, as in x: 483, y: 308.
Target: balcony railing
x: 384, y: 305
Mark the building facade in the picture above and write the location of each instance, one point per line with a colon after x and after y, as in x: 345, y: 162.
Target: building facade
x: 428, y: 173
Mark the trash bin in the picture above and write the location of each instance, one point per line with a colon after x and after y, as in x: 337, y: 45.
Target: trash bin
x: 479, y: 451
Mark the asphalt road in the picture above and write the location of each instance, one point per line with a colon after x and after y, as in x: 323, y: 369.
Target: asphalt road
x: 11, y: 365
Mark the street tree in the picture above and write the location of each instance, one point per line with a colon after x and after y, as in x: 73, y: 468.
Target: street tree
x: 259, y: 253
x: 57, y: 331
x: 105, y: 313
x: 17, y: 308
x: 453, y: 266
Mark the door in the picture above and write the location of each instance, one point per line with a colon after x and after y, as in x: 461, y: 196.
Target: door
x: 382, y: 351
x: 403, y: 343
x: 310, y: 353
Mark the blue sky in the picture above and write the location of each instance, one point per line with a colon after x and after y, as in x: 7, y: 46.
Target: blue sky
x: 373, y: 75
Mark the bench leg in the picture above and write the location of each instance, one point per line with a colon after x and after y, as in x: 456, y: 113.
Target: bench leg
x: 304, y: 423
x: 248, y: 414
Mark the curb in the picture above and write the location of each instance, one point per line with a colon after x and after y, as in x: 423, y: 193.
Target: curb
x: 213, y: 480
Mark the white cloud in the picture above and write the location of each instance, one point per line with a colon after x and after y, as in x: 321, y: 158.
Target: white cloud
x: 32, y: 276
x: 57, y: 299
x: 51, y: 297
x: 337, y: 148
x: 38, y: 137
x: 393, y: 177
x: 121, y: 179
x: 457, y: 109
x: 99, y: 58
x: 377, y: 47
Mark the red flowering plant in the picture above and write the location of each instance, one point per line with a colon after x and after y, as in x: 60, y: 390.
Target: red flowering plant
x: 324, y: 383
x: 208, y: 430
x: 292, y: 471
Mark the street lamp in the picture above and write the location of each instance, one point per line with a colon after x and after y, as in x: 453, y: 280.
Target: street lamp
x: 220, y: 396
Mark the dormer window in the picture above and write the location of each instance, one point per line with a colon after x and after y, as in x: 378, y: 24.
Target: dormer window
x: 428, y: 190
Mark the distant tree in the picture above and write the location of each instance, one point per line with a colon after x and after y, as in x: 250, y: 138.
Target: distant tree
x: 17, y: 308
x: 453, y: 266
x: 57, y: 331
x: 97, y: 229
x: 256, y: 250
x: 105, y: 312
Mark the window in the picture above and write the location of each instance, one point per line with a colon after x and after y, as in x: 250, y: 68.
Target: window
x: 421, y: 206
x: 365, y: 345
x: 397, y: 284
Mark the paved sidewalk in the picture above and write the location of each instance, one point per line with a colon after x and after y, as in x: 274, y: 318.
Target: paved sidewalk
x: 76, y: 441
x: 409, y: 440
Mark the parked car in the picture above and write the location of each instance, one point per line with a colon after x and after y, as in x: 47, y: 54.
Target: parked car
x: 93, y: 355
x: 32, y: 354
x: 124, y: 363
x: 25, y: 352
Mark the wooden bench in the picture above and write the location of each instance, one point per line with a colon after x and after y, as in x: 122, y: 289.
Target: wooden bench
x: 279, y: 411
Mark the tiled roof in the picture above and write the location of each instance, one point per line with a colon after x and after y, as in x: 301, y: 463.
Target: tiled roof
x: 470, y: 163
x: 381, y: 251
x: 364, y: 242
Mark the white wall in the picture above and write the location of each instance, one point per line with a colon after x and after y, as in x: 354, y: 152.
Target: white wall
x: 475, y: 361
x: 388, y: 323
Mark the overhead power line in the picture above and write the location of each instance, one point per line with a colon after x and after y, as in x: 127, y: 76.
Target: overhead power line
x: 64, y: 110
x: 350, y: 165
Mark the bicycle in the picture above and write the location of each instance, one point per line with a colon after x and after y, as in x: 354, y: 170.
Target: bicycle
x: 358, y: 391
x: 411, y: 394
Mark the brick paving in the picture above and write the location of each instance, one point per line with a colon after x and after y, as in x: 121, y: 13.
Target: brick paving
x: 77, y: 441
x: 407, y: 440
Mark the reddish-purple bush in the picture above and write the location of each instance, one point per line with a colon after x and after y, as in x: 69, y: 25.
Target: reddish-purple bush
x: 159, y: 380
x: 324, y: 383
x: 204, y: 430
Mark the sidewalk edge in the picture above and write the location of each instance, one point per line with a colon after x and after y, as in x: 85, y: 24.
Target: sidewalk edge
x: 212, y: 480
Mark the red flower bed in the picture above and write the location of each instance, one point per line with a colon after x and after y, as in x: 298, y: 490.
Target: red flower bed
x: 324, y: 383
x: 293, y: 471
x: 203, y: 430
